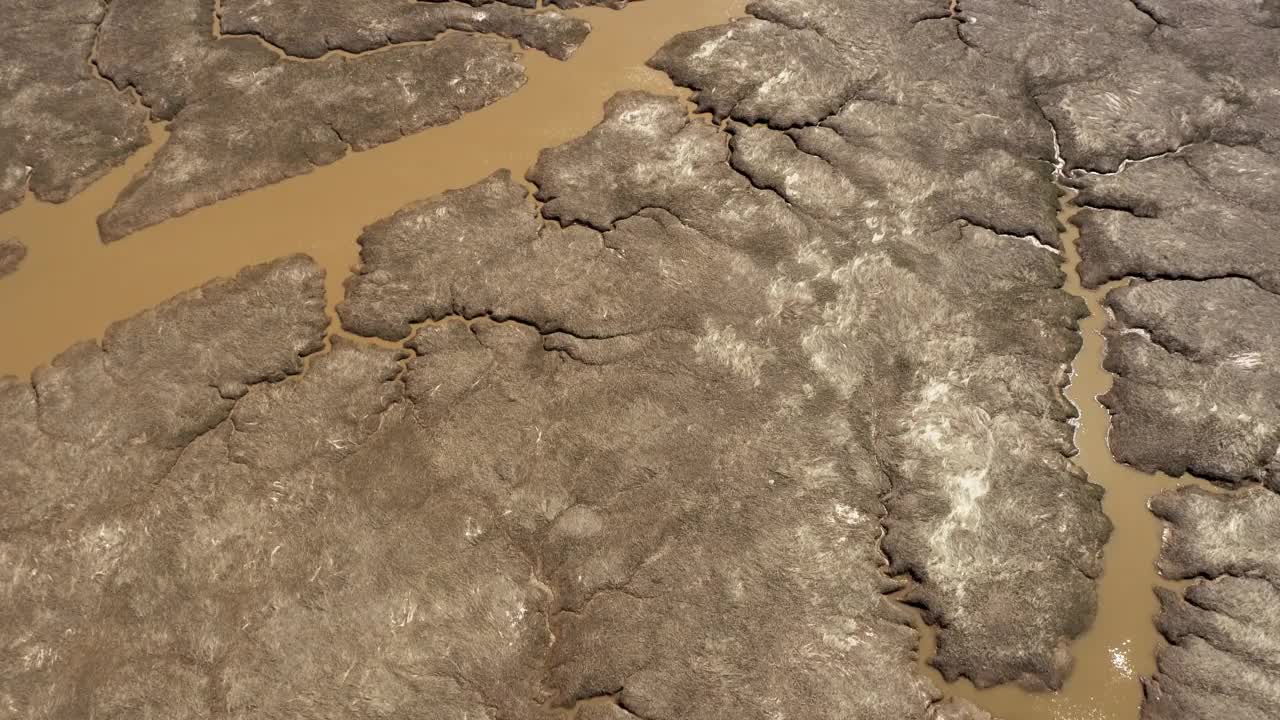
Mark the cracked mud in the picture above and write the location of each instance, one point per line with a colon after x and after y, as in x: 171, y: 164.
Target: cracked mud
x: 713, y: 417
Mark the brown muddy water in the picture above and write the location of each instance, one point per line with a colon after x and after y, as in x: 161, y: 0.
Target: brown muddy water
x: 71, y: 286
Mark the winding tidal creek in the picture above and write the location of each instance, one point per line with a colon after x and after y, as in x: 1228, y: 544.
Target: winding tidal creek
x: 1120, y: 647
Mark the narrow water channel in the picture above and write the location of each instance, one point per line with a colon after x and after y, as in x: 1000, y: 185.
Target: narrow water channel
x: 1121, y: 645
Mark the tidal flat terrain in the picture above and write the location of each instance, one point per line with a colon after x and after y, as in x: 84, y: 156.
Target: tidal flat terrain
x: 679, y: 360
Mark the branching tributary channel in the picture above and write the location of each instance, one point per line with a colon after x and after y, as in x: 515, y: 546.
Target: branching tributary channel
x: 1121, y: 645
x: 71, y: 286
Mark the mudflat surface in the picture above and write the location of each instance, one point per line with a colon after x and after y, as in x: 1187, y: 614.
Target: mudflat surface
x: 701, y: 420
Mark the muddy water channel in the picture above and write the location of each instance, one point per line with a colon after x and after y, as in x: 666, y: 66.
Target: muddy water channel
x: 71, y: 287
x: 1120, y: 647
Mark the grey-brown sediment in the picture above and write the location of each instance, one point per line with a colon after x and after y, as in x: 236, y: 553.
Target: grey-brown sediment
x: 12, y: 252
x: 743, y: 355
x: 707, y: 442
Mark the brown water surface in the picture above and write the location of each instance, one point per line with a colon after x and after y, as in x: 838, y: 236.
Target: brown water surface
x: 71, y: 287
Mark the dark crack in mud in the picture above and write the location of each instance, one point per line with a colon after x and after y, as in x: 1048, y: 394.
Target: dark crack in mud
x: 313, y: 29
